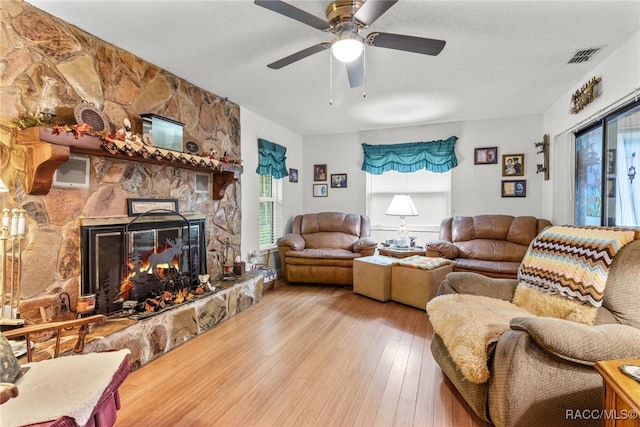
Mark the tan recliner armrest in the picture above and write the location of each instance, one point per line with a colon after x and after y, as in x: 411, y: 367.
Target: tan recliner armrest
x: 293, y: 241
x: 581, y: 343
x: 477, y: 284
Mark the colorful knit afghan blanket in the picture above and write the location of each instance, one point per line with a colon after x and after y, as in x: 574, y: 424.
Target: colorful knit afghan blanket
x: 573, y: 261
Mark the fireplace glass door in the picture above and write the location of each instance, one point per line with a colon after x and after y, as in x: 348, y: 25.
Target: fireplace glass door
x: 141, y: 260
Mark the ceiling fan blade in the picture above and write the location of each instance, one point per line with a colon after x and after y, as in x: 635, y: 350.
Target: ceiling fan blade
x: 372, y: 10
x: 294, y: 13
x: 355, y: 72
x: 299, y: 55
x: 407, y: 43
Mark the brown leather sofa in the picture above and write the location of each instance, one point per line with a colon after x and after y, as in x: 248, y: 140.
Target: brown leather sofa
x: 491, y: 245
x: 322, y: 246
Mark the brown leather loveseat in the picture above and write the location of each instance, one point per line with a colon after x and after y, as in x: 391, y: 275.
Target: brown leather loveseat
x: 322, y: 246
x: 492, y: 245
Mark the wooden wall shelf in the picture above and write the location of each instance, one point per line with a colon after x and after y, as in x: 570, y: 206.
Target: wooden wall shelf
x: 46, y: 151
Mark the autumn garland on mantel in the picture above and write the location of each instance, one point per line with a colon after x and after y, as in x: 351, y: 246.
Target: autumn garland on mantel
x: 124, y: 142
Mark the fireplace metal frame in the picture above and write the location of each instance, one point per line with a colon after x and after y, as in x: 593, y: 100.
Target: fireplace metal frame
x: 120, y: 231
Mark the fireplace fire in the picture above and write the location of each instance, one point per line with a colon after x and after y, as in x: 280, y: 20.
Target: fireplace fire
x: 142, y: 265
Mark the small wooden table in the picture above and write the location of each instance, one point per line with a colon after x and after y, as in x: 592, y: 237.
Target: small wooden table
x: 621, y: 394
x: 402, y: 252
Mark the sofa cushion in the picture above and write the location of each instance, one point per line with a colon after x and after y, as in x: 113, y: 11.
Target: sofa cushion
x: 330, y: 222
x: 490, y: 268
x: 323, y: 253
x: 329, y: 239
x: 320, y: 257
x: 491, y: 250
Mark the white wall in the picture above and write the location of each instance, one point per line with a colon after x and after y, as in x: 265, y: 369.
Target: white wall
x: 475, y: 188
x: 620, y: 73
x: 253, y: 127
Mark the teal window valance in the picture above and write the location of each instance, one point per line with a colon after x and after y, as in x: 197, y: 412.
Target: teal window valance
x: 272, y: 159
x: 434, y: 156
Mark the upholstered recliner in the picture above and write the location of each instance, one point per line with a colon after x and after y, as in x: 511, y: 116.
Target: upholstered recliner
x: 538, y: 349
x: 492, y: 245
x: 322, y: 246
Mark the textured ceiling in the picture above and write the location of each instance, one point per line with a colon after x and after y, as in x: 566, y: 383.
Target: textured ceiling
x: 502, y: 58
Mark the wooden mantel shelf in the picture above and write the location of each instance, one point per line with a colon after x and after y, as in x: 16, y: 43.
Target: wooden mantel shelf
x: 46, y: 151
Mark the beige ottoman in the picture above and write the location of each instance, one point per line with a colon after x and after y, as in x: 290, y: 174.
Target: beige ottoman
x: 372, y: 276
x: 415, y: 280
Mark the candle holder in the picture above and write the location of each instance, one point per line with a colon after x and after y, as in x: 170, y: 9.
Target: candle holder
x: 13, y: 231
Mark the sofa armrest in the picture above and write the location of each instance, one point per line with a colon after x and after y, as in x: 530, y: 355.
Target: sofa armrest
x: 365, y: 245
x: 477, y: 284
x: 442, y: 248
x: 580, y: 343
x: 293, y: 241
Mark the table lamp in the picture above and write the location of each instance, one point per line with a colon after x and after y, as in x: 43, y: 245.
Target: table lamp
x: 401, y: 205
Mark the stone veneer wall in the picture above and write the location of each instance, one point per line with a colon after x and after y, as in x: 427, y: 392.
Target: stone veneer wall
x: 35, y: 44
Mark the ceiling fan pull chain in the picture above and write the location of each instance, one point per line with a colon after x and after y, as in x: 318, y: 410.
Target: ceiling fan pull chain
x: 330, y: 79
x: 364, y: 73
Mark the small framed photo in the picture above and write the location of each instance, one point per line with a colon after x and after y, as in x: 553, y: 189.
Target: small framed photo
x: 338, y: 180
x: 485, y: 156
x: 319, y: 172
x: 293, y: 175
x: 151, y: 206
x: 513, y: 165
x: 202, y: 183
x: 320, y: 190
x: 516, y: 188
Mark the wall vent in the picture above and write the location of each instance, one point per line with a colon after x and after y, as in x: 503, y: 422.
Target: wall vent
x: 583, y: 55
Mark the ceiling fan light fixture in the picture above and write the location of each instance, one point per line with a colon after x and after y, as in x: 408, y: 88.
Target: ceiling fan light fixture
x: 347, y: 47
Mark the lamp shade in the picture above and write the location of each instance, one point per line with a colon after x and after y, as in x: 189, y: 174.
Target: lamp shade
x: 3, y: 187
x: 402, y: 205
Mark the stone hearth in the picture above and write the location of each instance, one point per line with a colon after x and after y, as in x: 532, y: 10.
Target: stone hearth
x: 150, y: 338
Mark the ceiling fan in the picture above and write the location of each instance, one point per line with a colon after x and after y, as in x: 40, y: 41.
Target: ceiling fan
x: 347, y: 19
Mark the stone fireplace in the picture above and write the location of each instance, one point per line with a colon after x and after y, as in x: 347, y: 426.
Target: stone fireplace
x: 121, y: 86
x: 135, y: 259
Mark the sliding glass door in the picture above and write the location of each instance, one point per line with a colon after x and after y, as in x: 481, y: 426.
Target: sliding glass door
x: 607, y: 190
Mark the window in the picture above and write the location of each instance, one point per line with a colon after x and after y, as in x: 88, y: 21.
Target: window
x: 430, y: 192
x: 270, y: 211
x: 607, y: 190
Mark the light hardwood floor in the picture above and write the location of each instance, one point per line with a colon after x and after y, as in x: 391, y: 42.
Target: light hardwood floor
x: 304, y: 356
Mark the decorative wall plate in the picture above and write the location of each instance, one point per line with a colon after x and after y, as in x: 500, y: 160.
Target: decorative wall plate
x: 192, y: 147
x: 87, y: 113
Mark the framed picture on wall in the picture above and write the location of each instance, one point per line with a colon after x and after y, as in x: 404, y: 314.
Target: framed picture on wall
x: 516, y: 188
x: 319, y: 172
x: 293, y: 175
x: 485, y: 156
x: 320, y: 190
x: 512, y: 164
x: 338, y: 180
